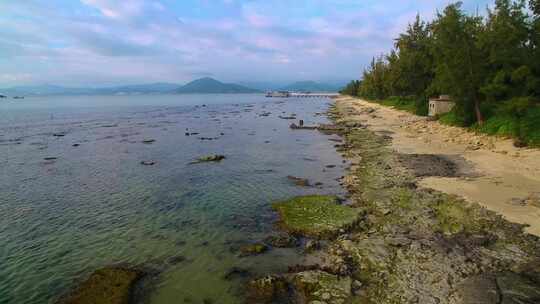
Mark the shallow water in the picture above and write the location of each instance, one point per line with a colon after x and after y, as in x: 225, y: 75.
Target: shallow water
x: 96, y: 205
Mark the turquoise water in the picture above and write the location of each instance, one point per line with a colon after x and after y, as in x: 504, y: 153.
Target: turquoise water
x: 95, y: 205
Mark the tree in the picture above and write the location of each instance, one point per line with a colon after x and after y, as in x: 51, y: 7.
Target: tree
x: 459, y: 62
x: 415, y: 64
x: 352, y: 88
x: 374, y: 81
x: 505, y: 42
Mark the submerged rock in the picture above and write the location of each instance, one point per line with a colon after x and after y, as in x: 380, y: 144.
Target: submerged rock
x: 148, y: 162
x: 287, y: 117
x: 282, y: 241
x: 253, y: 249
x: 316, y: 215
x: 236, y: 273
x: 298, y: 181
x: 110, y: 285
x: 209, y: 158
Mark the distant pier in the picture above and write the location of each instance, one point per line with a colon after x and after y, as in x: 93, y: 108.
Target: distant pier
x: 285, y: 94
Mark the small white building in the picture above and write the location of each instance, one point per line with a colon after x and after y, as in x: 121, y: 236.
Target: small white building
x: 441, y: 105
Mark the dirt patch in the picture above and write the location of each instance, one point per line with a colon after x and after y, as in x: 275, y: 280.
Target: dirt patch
x: 424, y: 165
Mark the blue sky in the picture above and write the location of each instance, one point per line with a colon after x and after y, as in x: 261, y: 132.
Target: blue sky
x: 109, y: 42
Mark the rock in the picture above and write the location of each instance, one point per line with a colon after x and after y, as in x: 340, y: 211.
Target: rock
x: 236, y: 272
x: 330, y: 128
x: 210, y: 158
x: 282, y: 241
x: 520, y: 143
x: 270, y: 289
x: 208, y: 138
x: 301, y: 182
x: 315, y: 216
x: 517, y: 289
x: 353, y: 124
x: 321, y: 287
x: 312, y: 245
x: 176, y: 259
x: 531, y: 270
x: 399, y: 241
x: 253, y: 249
x: 110, y: 285
x: 296, y: 127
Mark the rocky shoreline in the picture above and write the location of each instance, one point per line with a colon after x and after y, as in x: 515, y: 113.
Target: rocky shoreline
x: 411, y: 244
x: 389, y: 241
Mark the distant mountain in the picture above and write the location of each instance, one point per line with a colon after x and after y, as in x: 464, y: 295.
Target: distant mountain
x: 203, y: 85
x: 212, y: 86
x: 310, y: 86
x: 44, y: 90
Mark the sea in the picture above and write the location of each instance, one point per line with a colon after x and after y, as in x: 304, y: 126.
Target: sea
x: 74, y: 196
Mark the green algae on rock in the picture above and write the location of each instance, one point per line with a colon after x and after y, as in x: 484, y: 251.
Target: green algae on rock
x: 321, y: 287
x: 109, y: 285
x: 253, y: 249
x: 315, y: 215
x: 269, y: 289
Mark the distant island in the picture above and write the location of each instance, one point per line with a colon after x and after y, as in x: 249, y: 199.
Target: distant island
x: 200, y: 86
x: 204, y: 85
x: 209, y: 85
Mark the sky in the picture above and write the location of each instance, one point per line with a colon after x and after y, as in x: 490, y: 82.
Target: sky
x: 112, y: 42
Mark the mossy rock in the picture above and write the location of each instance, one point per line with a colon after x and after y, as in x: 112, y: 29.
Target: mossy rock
x: 253, y: 249
x: 211, y: 158
x: 315, y: 216
x: 282, y: 241
x: 110, y: 285
x: 456, y: 216
x: 298, y: 181
x: 321, y: 287
x: 270, y: 289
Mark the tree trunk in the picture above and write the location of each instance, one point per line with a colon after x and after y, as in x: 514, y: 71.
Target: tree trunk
x: 479, y: 116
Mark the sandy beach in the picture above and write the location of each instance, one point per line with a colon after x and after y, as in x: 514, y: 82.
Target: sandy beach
x: 499, y: 176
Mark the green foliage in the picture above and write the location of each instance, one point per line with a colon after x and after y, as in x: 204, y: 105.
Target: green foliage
x: 452, y: 118
x: 517, y: 118
x: 529, y: 127
x: 400, y: 103
x: 500, y: 125
x: 490, y: 66
x: 352, y: 88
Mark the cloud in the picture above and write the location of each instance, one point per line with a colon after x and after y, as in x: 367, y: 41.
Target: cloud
x: 95, y: 42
